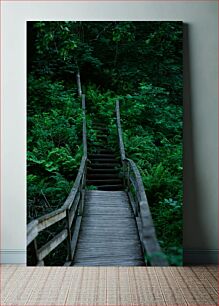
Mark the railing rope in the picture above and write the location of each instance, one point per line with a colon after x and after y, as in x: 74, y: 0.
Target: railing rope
x: 141, y: 208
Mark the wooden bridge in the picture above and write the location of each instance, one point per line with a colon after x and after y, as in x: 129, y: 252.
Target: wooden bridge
x: 108, y: 224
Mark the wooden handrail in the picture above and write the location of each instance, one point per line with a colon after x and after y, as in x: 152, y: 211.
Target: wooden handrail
x: 78, y: 79
x: 139, y: 204
x: 84, y: 126
x: 71, y: 197
x: 71, y: 210
x: 119, y: 128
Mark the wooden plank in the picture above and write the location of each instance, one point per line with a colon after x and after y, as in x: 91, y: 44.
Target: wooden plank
x: 118, y: 225
x: 107, y: 204
x: 102, y: 249
x: 104, y: 193
x: 99, y: 231
x: 99, y: 220
x: 101, y: 182
x: 108, y: 233
x: 51, y: 218
x: 52, y: 244
x: 74, y: 208
x: 113, y: 255
x: 68, y: 226
x: 107, y: 199
x: 75, y: 235
x: 32, y: 231
x: 121, y: 263
x: 113, y: 210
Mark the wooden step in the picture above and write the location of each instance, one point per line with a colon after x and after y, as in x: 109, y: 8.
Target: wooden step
x: 102, y: 166
x: 105, y: 151
x: 101, y: 132
x: 102, y: 136
x: 101, y: 155
x: 104, y: 182
x: 110, y: 187
x: 98, y: 176
x: 99, y: 146
x: 101, y: 124
x: 100, y: 128
x: 102, y: 171
x: 103, y: 160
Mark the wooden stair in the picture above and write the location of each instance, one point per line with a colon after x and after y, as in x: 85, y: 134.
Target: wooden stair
x: 108, y: 234
x: 103, y: 167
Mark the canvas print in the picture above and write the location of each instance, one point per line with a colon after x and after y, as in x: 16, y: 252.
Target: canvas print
x: 104, y: 143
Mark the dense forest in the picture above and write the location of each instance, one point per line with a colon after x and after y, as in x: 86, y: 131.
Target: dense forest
x: 139, y: 63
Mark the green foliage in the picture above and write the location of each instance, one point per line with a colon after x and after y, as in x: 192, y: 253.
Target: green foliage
x: 91, y: 187
x: 152, y: 129
x: 53, y: 143
x: 152, y: 132
x: 168, y: 220
x: 139, y: 63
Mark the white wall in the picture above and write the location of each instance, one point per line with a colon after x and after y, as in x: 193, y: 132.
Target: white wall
x: 200, y: 207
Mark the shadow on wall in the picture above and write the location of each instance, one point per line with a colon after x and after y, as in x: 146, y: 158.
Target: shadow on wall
x: 193, y: 226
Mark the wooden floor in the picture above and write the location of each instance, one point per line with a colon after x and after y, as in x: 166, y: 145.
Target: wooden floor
x: 108, y: 234
x: 112, y: 286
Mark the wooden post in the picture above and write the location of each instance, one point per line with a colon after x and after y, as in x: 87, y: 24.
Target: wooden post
x: 128, y: 174
x: 82, y: 191
x: 137, y: 204
x: 124, y: 170
x: 78, y: 77
x: 34, y: 253
x: 119, y: 128
x: 84, y: 126
x: 68, y: 226
x: 81, y: 207
x: 40, y: 263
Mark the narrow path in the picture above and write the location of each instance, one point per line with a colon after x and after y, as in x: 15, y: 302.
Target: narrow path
x: 108, y: 234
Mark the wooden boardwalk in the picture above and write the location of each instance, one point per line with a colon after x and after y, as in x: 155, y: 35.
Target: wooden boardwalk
x: 108, y: 235
x: 108, y: 226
